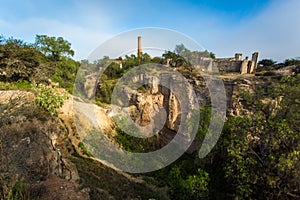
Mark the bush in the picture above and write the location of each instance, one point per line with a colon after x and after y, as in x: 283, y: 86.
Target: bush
x: 65, y: 73
x: 266, y: 62
x: 85, y: 151
x: 191, y: 187
x: 49, y: 98
x: 289, y: 62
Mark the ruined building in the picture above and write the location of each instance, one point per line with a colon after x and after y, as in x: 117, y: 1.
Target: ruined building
x: 228, y: 65
x: 236, y: 64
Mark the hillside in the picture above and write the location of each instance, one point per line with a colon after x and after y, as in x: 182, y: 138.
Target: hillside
x: 29, y: 165
x: 53, y: 135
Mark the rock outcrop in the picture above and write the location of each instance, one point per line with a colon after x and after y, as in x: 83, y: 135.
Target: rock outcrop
x: 29, y: 139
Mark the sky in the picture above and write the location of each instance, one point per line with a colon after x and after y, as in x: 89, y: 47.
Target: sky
x: 271, y: 27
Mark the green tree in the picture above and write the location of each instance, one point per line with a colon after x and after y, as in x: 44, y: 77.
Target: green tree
x: 53, y: 47
x: 293, y: 61
x: 65, y: 73
x: 263, y: 143
x: 180, y: 49
x: 18, y: 60
x: 175, y: 59
x: 184, y: 186
x: 266, y: 62
x: 188, y: 54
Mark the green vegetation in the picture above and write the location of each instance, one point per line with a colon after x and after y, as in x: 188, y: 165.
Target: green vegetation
x: 19, y: 85
x: 85, y: 151
x: 49, y: 98
x: 113, y: 185
x: 65, y: 73
x: 256, y: 157
x: 266, y: 62
x: 134, y: 144
x: 19, y: 61
x: 52, y: 47
x: 269, y: 73
x: 263, y: 148
x: 188, y: 54
x: 269, y: 64
x: 192, y: 187
x: 19, y: 191
x: 114, y: 72
x: 48, y: 58
x: 293, y: 61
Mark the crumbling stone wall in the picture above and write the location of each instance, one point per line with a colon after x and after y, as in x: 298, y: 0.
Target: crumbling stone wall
x: 244, y: 66
x: 228, y: 65
x: 236, y: 64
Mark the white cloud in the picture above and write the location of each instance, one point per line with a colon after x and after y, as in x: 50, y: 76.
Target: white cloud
x: 83, y: 40
x: 274, y: 32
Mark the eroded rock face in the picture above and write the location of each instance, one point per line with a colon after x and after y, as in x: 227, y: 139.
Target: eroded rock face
x: 144, y: 104
x: 147, y: 107
x: 156, y: 111
x: 28, y: 136
x: 173, y: 112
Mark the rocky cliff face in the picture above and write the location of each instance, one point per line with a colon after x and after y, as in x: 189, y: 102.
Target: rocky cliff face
x: 30, y: 137
x: 145, y: 105
x: 40, y: 157
x: 156, y: 109
x: 29, y: 160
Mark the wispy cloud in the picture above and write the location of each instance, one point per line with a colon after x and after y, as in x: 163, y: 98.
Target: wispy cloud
x: 83, y: 40
x: 272, y: 28
x: 274, y: 32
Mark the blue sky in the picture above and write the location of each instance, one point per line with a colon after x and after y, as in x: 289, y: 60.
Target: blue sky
x: 271, y: 27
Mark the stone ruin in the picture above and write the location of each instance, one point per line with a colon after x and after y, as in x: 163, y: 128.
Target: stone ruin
x: 227, y: 65
x: 236, y: 64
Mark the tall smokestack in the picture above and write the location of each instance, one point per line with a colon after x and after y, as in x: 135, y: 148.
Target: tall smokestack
x: 139, y: 53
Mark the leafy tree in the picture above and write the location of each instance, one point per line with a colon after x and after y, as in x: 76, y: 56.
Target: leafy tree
x: 53, y: 47
x: 145, y: 58
x: 187, y: 54
x: 180, y: 49
x: 193, y: 186
x: 130, y: 61
x: 65, y: 73
x: 113, y: 71
x: 157, y: 60
x: 263, y: 144
x: 19, y: 61
x: 293, y: 61
x: 266, y: 62
x: 175, y: 59
x: 212, y: 55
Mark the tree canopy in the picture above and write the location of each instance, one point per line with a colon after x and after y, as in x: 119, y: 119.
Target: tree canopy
x: 188, y: 54
x: 266, y: 62
x: 53, y: 47
x: 18, y: 60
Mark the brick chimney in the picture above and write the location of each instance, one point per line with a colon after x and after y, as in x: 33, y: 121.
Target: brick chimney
x: 139, y: 52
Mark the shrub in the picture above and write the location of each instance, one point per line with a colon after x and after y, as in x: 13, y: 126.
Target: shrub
x: 85, y: 151
x: 19, y: 85
x: 49, y: 98
x: 191, y: 187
